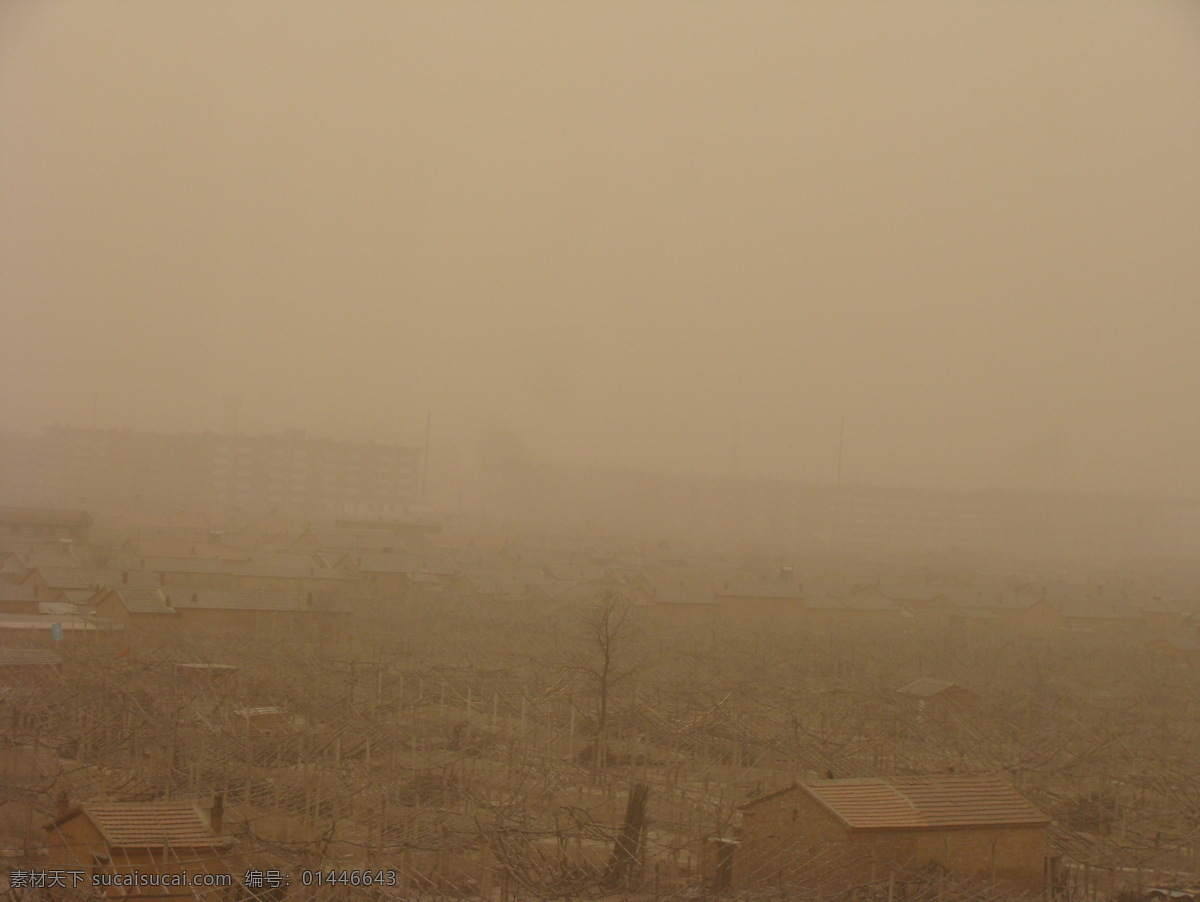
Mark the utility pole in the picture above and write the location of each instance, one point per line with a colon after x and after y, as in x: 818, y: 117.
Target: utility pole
x: 837, y: 492
x: 425, y: 457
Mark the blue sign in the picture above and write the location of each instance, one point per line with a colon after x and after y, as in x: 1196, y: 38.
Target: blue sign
x: 56, y: 632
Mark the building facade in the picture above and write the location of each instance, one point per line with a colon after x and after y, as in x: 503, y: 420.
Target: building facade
x: 120, y: 469
x: 970, y: 827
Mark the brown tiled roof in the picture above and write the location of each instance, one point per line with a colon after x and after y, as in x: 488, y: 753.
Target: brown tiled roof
x: 28, y: 657
x: 924, y: 687
x: 250, y: 600
x: 86, y: 578
x: 1179, y: 643
x: 174, y: 548
x: 45, y: 516
x: 760, y: 588
x: 150, y: 825
x: 947, y: 800
x: 438, y: 563
x: 10, y: 592
x: 145, y: 600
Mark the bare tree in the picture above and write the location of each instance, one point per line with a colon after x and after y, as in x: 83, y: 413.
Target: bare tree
x: 603, y: 659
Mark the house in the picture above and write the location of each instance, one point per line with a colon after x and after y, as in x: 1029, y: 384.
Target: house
x: 973, y: 827
x: 284, y: 572
x: 1109, y: 615
x: 930, y: 692
x: 506, y: 585
x: 862, y: 606
x: 280, y: 613
x: 933, y: 609
x: 20, y: 561
x: 1182, y: 649
x: 680, y: 602
x: 370, y: 540
x: 757, y: 598
x: 1024, y: 613
x: 675, y: 594
x: 113, y: 842
x: 214, y: 549
x: 55, y: 583
x: 135, y: 604
x: 396, y: 571
x: 31, y: 524
x: 16, y: 599
x: 47, y: 627
x: 25, y: 665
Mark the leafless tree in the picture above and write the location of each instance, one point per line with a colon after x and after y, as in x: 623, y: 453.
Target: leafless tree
x: 604, y: 658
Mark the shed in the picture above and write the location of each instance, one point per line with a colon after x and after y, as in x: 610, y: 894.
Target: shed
x: 931, y: 691
x: 974, y: 826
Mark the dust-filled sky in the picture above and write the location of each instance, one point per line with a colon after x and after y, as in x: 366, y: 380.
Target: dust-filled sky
x: 681, y: 236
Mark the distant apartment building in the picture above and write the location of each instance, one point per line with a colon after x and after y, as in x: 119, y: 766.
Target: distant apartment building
x: 859, y: 520
x: 111, y: 469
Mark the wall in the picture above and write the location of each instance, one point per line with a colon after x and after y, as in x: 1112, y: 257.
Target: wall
x: 791, y: 840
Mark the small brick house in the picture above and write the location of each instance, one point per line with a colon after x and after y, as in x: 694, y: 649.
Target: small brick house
x: 973, y: 827
x: 931, y: 692
x: 117, y: 840
x: 1181, y: 649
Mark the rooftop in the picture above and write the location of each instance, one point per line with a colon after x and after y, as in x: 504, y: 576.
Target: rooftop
x: 944, y: 800
x: 924, y: 687
x: 149, y: 825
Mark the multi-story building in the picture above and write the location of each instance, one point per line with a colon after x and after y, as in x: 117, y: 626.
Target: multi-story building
x: 118, y: 469
x: 859, y: 520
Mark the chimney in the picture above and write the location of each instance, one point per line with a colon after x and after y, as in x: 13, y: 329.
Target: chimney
x: 62, y: 804
x: 216, y: 814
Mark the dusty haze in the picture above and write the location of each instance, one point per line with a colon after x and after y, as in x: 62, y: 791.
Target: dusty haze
x: 684, y: 237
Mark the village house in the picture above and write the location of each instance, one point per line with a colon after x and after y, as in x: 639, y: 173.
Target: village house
x: 15, y: 599
x: 862, y: 606
x: 213, y: 549
x: 675, y: 595
x: 397, y: 571
x: 506, y: 585
x: 1182, y: 649
x: 260, y: 571
x: 934, y: 610
x: 19, y: 562
x: 1024, y: 613
x: 144, y: 605
x: 47, y: 627
x: 25, y: 666
x: 344, y: 540
x: 79, y: 583
x: 278, y: 613
x: 1163, y: 618
x: 30, y: 524
x: 934, y: 693
x: 1100, y: 614
x: 756, y: 598
x: 975, y: 827
x: 116, y: 840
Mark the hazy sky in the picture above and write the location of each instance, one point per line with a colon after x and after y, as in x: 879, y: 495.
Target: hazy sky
x: 684, y: 236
